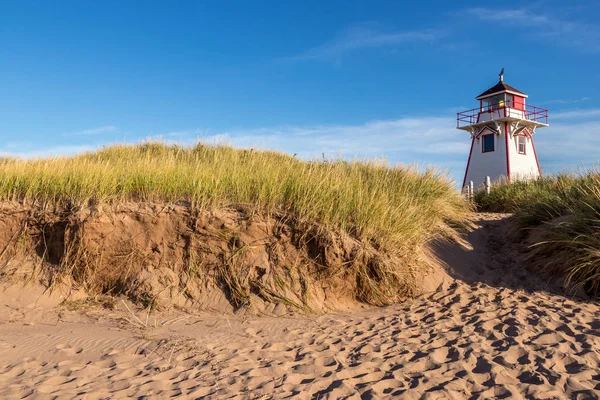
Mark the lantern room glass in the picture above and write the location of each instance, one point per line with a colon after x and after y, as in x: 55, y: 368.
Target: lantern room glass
x: 498, y: 101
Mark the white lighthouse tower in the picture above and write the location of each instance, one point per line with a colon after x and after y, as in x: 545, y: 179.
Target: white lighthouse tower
x: 502, y: 129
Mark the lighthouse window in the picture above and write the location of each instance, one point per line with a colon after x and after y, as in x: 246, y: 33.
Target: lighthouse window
x: 521, y: 144
x: 509, y: 100
x: 488, y: 143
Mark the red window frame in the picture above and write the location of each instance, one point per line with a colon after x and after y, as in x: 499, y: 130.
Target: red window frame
x: 524, y: 144
x: 483, y: 150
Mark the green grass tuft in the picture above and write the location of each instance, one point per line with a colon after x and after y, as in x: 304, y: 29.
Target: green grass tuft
x: 565, y: 209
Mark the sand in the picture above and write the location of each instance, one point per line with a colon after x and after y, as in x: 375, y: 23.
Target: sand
x: 490, y: 330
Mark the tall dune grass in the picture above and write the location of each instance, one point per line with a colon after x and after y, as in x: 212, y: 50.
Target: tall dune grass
x: 392, y: 207
x: 565, y: 209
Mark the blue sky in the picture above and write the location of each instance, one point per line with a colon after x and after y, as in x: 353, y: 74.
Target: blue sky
x: 356, y: 78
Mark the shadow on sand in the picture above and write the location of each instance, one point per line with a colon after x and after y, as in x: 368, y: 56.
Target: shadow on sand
x: 491, y: 255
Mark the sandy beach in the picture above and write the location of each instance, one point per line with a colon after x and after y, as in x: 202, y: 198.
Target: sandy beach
x: 277, y: 200
x: 490, y: 330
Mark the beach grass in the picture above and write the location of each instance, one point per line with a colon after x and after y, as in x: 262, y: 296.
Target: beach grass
x: 393, y: 207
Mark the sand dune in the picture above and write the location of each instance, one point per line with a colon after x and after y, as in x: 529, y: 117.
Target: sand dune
x: 496, y: 331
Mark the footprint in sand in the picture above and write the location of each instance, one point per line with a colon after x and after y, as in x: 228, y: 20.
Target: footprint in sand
x: 68, y: 349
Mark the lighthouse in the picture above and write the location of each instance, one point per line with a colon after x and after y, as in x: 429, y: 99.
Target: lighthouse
x: 502, y: 130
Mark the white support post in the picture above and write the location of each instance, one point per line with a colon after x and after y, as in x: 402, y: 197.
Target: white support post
x: 488, y: 185
x: 471, y: 191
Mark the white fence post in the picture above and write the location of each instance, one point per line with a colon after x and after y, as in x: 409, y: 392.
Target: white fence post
x: 488, y: 185
x: 471, y: 189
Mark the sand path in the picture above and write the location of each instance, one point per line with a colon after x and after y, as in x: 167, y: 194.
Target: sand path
x: 497, y: 331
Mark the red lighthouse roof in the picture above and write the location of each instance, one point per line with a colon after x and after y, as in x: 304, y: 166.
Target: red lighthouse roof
x: 500, y: 87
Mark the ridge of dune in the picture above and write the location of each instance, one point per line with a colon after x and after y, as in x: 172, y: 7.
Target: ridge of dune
x: 493, y: 330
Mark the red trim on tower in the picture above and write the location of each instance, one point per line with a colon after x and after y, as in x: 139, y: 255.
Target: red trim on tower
x: 468, y: 163
x: 535, y: 154
x: 507, y: 152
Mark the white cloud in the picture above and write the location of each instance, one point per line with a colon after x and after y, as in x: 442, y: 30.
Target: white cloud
x: 577, y: 114
x: 52, y: 151
x: 182, y: 133
x: 362, y: 37
x: 520, y: 15
x: 571, y: 143
x: 542, y: 25
x: 401, y: 140
x: 94, y: 131
x: 567, y: 101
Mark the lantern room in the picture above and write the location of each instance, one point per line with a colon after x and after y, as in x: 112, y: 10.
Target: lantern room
x: 501, y: 95
x: 502, y: 103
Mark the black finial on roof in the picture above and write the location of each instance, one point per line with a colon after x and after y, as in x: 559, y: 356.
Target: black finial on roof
x: 501, y: 75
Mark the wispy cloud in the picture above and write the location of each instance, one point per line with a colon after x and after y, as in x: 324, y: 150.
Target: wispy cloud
x: 542, y: 25
x: 93, y: 131
x: 175, y: 135
x: 567, y: 101
x: 577, y: 114
x: 428, y: 140
x: 31, y: 151
x: 362, y: 37
x: 511, y: 15
x: 569, y: 144
x: 402, y: 140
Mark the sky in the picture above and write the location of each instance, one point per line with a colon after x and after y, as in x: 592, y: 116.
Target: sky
x: 356, y: 79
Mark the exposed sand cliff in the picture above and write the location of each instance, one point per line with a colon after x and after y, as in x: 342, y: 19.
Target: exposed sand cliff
x: 163, y: 255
